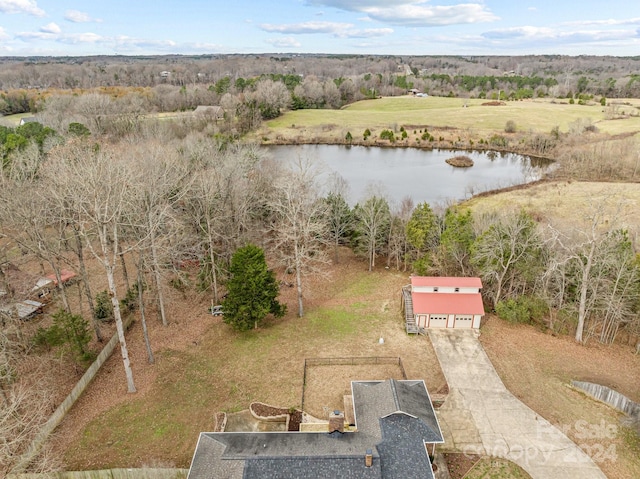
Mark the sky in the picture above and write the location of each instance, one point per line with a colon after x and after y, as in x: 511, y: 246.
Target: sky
x: 389, y: 27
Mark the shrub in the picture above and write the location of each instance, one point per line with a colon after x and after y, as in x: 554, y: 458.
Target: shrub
x: 78, y: 129
x: 523, y: 309
x: 348, y: 137
x: 603, y: 101
x: 497, y: 140
x: 404, y: 134
x: 179, y: 284
x: 70, y: 331
x: 510, y: 126
x: 367, y: 134
x: 103, y: 308
x: 130, y: 301
x: 387, y: 135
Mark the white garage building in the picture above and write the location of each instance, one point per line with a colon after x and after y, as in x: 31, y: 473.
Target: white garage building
x: 442, y: 302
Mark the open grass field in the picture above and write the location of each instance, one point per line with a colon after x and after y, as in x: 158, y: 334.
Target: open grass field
x: 13, y: 120
x: 552, y: 201
x: 540, y: 115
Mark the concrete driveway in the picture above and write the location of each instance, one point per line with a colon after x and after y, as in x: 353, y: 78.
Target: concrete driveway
x: 481, y: 416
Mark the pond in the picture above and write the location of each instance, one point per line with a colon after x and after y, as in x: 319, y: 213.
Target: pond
x: 420, y: 174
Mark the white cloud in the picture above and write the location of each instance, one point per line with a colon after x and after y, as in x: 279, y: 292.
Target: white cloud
x: 29, y: 7
x: 77, y: 16
x: 418, y: 15
x: 611, y: 21
x: 340, y: 30
x: 51, y: 28
x: 532, y: 9
x: 369, y: 32
x: 3, y: 34
x: 415, y: 13
x: 532, y: 38
x: 307, y: 27
x: 284, y: 42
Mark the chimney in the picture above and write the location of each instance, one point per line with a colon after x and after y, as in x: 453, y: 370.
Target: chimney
x: 336, y: 421
x: 368, y: 458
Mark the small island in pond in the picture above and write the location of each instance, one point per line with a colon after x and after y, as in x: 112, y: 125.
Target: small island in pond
x: 460, y: 161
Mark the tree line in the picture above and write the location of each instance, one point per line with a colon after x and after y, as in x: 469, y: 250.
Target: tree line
x: 312, y: 81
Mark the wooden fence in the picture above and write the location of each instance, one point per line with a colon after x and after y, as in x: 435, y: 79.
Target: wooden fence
x: 143, y: 473
x: 58, y: 415
x: 352, y: 361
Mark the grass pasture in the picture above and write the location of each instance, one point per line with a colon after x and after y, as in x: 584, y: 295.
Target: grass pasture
x: 551, y: 201
x: 539, y: 115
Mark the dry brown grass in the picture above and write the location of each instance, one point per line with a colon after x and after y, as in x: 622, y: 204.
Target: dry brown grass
x: 327, y: 385
x: 204, y: 367
x: 538, y: 368
x: 568, y: 203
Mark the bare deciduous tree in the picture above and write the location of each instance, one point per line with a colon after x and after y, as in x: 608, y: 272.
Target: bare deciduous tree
x: 95, y: 181
x: 506, y: 254
x: 372, y: 223
x: 299, y: 223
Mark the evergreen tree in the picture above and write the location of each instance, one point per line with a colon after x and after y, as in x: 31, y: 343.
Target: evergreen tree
x: 423, y: 235
x: 252, y: 290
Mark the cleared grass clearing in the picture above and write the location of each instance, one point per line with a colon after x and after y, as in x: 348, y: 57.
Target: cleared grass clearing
x: 13, y: 120
x: 568, y: 204
x: 539, y: 115
x: 207, y: 367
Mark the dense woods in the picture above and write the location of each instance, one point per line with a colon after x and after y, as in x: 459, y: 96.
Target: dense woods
x: 178, y: 83
x: 95, y: 180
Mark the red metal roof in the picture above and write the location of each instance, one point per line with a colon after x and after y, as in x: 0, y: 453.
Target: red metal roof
x: 65, y: 275
x: 447, y: 303
x: 446, y: 281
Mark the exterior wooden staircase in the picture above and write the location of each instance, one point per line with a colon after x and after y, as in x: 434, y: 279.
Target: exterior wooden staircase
x: 409, y: 317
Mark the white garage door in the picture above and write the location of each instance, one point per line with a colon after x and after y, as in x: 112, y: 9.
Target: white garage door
x: 438, y: 321
x: 463, y: 321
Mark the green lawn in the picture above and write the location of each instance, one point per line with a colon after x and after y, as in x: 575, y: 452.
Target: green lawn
x: 539, y: 115
x: 13, y: 120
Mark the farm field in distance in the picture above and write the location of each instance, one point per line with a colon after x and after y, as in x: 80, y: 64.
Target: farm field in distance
x: 539, y: 115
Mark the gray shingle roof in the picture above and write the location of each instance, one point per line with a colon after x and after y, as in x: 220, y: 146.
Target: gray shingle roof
x: 393, y: 418
x: 312, y: 468
x: 402, y: 451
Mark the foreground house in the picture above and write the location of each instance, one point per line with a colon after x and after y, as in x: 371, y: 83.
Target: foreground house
x: 442, y: 302
x: 396, y: 432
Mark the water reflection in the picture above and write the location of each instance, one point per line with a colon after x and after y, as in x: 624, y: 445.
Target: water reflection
x: 422, y: 175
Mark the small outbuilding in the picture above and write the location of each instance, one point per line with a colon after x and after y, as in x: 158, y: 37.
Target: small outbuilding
x: 442, y: 302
